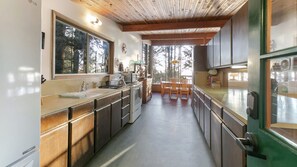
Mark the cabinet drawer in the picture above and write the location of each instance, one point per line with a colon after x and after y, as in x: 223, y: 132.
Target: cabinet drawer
x: 54, y: 147
x: 232, y: 154
x: 125, y: 120
x: 125, y: 110
x: 125, y: 100
x: 115, y: 97
x: 236, y: 126
x: 99, y: 103
x: 54, y: 120
x: 125, y: 93
x: 80, y: 110
x: 218, y: 109
x: 201, y: 95
x: 207, y: 100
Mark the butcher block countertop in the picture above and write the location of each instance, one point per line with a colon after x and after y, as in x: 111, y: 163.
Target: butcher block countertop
x: 54, y: 104
x: 233, y: 100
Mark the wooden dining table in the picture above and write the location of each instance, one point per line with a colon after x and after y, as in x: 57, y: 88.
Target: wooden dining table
x: 168, y: 84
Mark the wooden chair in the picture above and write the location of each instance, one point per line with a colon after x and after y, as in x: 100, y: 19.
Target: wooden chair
x: 174, y: 89
x: 184, y: 89
x: 164, y: 88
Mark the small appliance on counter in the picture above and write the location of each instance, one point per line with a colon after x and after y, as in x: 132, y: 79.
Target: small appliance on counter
x: 130, y: 77
x: 116, y: 81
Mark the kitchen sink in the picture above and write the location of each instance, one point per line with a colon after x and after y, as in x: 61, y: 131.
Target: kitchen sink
x: 84, y: 94
x: 77, y: 95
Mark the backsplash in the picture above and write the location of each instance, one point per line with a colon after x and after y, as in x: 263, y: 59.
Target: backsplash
x: 54, y: 87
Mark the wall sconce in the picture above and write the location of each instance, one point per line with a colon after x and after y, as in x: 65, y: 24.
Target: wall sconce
x: 95, y: 21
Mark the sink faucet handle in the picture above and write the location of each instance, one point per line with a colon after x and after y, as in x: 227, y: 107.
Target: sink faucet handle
x: 83, y: 86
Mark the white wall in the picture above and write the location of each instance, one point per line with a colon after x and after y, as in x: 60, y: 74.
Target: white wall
x: 79, y: 14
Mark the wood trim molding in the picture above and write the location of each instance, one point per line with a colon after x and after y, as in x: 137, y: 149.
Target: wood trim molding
x: 180, y: 42
x: 207, y: 35
x: 268, y: 96
x: 174, y: 26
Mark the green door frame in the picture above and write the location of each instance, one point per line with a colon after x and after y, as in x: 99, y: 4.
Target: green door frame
x: 279, y: 152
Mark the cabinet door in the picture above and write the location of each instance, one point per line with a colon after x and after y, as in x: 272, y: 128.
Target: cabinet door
x: 82, y: 140
x: 226, y: 44
x: 216, y: 139
x: 232, y: 154
x: 102, y: 127
x: 217, y: 50
x: 54, y: 147
x: 210, y: 54
x: 194, y: 104
x: 116, y: 117
x: 198, y: 109
x: 207, y: 112
x: 240, y: 34
x: 201, y: 115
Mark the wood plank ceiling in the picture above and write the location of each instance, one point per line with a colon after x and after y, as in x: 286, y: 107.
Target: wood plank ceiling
x: 166, y: 22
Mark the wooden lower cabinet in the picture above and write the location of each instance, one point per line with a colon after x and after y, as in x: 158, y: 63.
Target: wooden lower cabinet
x: 82, y: 140
x: 207, y: 113
x: 216, y: 139
x: 116, y: 117
x: 201, y: 115
x: 54, y: 147
x: 233, y: 156
x: 102, y: 127
x: 198, y: 109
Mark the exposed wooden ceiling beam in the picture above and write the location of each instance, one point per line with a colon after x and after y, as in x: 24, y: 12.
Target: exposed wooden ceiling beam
x: 180, y: 42
x: 178, y: 36
x: 173, y: 26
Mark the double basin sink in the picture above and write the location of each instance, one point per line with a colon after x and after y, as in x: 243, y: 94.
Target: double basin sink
x: 85, y: 94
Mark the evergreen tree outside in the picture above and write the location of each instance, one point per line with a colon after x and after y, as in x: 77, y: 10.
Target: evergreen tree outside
x: 173, y: 61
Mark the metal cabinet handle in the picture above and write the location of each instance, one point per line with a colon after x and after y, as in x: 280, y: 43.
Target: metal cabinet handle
x: 249, y: 145
x: 243, y: 142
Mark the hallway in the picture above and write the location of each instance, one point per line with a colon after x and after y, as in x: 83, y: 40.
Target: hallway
x: 165, y: 135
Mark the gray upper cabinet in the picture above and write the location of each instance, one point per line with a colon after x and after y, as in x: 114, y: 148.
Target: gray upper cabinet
x: 217, y: 50
x: 226, y: 54
x: 240, y: 35
x: 210, y: 54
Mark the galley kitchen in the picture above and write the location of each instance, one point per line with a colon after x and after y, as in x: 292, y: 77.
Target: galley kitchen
x: 148, y: 83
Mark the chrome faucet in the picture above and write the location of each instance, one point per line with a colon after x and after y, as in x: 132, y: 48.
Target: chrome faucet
x: 83, y: 86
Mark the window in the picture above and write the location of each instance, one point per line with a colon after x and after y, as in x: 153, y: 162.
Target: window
x: 172, y: 62
x: 238, y: 79
x: 78, y: 52
x: 145, y: 58
x: 281, y: 85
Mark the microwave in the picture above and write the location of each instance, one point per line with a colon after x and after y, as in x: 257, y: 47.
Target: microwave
x: 130, y: 77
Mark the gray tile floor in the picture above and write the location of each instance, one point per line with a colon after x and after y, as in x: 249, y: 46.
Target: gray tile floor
x: 165, y: 135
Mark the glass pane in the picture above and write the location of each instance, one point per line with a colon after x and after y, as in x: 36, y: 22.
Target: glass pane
x: 282, y: 24
x: 70, y: 49
x: 282, y: 96
x: 98, y: 55
x: 172, y: 62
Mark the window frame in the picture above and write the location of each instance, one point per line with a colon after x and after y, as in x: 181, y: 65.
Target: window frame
x: 110, y: 63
